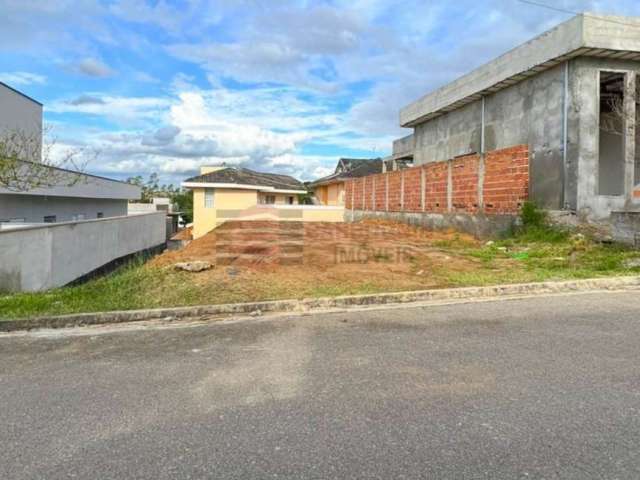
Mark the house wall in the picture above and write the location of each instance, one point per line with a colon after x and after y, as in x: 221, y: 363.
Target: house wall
x: 20, y: 114
x: 44, y: 257
x: 34, y: 208
x: 530, y: 112
x: 331, y: 194
x: 228, y: 203
x: 80, y: 185
x: 281, y: 198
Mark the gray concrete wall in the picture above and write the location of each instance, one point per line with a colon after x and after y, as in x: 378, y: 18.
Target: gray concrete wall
x: 567, y: 40
x: 33, y: 209
x: 589, y: 202
x: 44, y: 257
x: 448, y: 136
x: 19, y: 113
x: 530, y: 112
x: 403, y: 146
x: 480, y: 226
x: 66, y: 183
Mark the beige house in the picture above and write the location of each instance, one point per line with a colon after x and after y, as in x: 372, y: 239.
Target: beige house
x: 329, y: 190
x: 232, y: 193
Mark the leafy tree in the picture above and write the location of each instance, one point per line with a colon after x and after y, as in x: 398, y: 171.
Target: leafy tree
x: 183, y: 199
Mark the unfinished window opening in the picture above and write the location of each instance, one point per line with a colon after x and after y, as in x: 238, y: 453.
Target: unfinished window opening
x: 611, y: 145
x: 636, y: 165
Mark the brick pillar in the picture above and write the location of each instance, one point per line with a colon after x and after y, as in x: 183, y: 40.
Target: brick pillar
x: 422, y: 189
x: 364, y: 194
x: 373, y: 195
x: 401, y: 190
x: 386, y: 192
x: 449, y: 185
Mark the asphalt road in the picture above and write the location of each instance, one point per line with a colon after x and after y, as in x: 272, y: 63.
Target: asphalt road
x: 536, y: 388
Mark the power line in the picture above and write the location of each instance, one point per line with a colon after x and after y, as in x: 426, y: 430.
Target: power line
x: 571, y: 12
x: 550, y: 7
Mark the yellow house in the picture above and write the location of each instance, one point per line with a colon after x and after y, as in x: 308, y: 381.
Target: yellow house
x: 233, y: 193
x: 329, y: 190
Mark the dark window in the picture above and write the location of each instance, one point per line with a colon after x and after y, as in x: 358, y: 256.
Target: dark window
x: 100, y: 215
x: 50, y: 219
x: 612, y: 135
x: 290, y: 200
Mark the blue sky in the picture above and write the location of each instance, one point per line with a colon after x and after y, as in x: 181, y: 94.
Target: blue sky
x: 283, y: 86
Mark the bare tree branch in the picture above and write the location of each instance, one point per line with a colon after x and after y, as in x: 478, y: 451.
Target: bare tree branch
x: 27, y: 161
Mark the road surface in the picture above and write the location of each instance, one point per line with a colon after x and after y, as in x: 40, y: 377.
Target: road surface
x: 545, y: 387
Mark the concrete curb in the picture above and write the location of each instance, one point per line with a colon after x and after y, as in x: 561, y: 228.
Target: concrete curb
x: 319, y: 304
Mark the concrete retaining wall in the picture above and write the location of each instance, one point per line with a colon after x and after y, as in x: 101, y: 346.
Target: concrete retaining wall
x: 44, y: 257
x: 478, y: 225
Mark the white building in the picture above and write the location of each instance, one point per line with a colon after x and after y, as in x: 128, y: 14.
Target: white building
x: 74, y: 197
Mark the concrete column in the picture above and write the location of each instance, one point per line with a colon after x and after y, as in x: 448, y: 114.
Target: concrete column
x: 565, y: 134
x: 423, y: 198
x: 401, y: 190
x: 449, y: 185
x: 481, y: 160
x: 630, y: 132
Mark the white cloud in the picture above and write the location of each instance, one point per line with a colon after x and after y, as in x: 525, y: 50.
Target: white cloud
x: 91, y: 67
x: 136, y: 110
x: 22, y: 78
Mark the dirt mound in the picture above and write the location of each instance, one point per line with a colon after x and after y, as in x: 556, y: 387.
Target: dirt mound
x: 314, y: 245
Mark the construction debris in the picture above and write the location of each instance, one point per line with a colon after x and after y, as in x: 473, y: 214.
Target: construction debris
x: 195, y: 266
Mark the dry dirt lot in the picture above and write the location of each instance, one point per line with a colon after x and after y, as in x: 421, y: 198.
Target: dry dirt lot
x: 373, y: 254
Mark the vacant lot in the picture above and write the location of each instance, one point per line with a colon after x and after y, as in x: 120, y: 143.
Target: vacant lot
x: 269, y: 260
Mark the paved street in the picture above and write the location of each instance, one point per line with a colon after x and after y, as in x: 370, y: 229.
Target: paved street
x: 535, y: 388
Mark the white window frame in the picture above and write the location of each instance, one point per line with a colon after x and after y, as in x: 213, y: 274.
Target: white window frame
x: 209, y: 198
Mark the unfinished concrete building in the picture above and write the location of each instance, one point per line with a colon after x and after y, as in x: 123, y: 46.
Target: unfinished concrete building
x: 571, y: 95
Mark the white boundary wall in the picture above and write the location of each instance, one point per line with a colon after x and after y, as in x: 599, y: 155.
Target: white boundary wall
x: 49, y: 256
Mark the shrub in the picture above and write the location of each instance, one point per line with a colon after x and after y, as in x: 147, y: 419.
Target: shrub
x: 532, y: 216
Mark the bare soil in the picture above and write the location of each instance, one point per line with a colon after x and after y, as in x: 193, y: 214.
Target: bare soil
x: 310, y: 258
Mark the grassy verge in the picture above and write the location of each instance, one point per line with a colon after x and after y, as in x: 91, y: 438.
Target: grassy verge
x: 536, y: 252
x: 540, y: 253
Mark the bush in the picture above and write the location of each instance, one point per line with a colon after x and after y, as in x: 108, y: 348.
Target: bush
x: 536, y: 228
x: 532, y: 216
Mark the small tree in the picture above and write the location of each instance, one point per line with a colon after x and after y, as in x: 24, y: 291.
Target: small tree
x: 27, y: 161
x: 151, y: 187
x: 183, y: 199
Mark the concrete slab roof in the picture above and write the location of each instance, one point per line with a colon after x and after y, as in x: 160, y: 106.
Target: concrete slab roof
x: 583, y: 35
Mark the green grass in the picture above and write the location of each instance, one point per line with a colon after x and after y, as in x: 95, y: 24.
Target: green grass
x: 540, y: 253
x: 534, y: 253
x: 130, y: 287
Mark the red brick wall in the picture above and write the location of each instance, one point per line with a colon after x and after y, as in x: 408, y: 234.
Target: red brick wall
x: 394, y: 191
x: 412, y: 194
x: 464, y: 183
x: 358, y: 184
x: 506, y: 180
x: 368, y: 193
x: 436, y: 180
x: 348, y: 194
x: 381, y: 189
x: 505, y: 185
